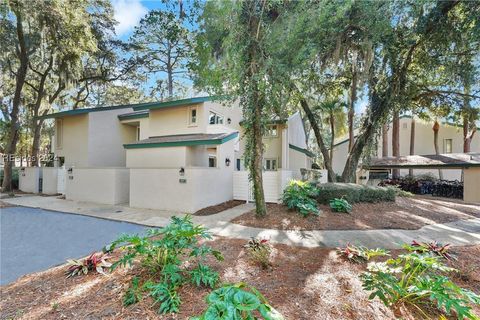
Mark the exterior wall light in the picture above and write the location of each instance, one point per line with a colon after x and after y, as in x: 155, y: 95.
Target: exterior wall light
x: 227, y: 162
x: 229, y: 120
x: 182, y: 171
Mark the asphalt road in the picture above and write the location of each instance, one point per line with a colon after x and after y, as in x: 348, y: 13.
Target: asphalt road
x: 33, y: 239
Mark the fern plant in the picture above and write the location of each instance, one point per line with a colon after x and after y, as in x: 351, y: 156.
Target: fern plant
x: 300, y: 195
x: 340, y: 205
x: 161, y: 253
x: 238, y: 301
x: 418, y: 279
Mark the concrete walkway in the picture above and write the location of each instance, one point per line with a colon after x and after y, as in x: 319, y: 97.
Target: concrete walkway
x: 462, y: 232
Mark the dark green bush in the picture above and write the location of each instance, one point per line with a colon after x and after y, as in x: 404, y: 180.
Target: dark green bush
x: 354, y: 193
x: 300, y: 195
x: 14, y: 177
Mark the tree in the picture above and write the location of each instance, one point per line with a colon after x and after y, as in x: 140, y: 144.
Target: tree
x: 164, y: 46
x: 233, y: 59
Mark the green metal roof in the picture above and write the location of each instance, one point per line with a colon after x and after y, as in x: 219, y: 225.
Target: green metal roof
x: 302, y: 150
x: 174, y: 103
x: 81, y: 111
x: 133, y: 115
x: 181, y: 140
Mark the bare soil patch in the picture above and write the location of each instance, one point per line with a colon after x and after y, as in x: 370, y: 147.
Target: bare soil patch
x: 405, y: 213
x: 304, y: 283
x: 218, y: 208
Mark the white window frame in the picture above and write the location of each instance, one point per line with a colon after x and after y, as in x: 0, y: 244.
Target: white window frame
x: 269, y: 128
x: 445, y: 145
x: 217, y: 116
x: 271, y: 162
x: 190, y: 118
x: 59, y: 134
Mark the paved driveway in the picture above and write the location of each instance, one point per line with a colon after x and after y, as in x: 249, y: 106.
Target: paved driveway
x: 35, y: 239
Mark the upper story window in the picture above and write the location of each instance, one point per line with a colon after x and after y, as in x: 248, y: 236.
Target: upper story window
x: 215, y: 118
x: 138, y: 133
x: 192, y: 116
x: 447, y: 146
x: 270, y: 164
x: 271, y: 130
x: 59, y: 134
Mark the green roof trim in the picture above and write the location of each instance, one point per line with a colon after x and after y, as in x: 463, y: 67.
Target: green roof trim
x: 274, y: 121
x: 175, y: 103
x: 181, y: 143
x: 132, y: 116
x: 304, y: 151
x: 81, y: 111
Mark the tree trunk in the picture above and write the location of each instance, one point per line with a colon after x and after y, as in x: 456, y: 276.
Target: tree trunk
x: 13, y: 131
x: 332, y: 141
x: 396, y: 142
x: 318, y: 136
x: 385, y: 141
x: 36, y: 142
x: 351, y: 111
x: 169, y: 72
x: 469, y: 129
x: 412, y: 143
x: 436, y: 128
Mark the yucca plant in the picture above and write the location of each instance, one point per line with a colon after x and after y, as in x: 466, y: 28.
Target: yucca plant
x: 340, y: 205
x: 95, y: 262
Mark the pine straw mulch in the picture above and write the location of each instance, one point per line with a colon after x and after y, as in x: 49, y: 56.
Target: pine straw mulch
x: 303, y: 283
x: 218, y: 208
x: 405, y: 213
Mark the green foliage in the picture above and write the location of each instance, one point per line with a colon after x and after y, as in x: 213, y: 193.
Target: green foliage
x: 300, y: 195
x: 340, y: 205
x: 238, y: 301
x: 433, y: 248
x: 418, y: 279
x: 161, y: 253
x: 360, y: 253
x: 259, y: 251
x: 354, y: 193
x: 402, y: 193
x: 133, y: 294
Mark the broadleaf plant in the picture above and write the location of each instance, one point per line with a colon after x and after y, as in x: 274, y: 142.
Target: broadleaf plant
x: 300, y: 195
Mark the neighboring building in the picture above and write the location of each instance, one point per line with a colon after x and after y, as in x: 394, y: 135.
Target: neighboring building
x: 179, y: 155
x: 450, y: 140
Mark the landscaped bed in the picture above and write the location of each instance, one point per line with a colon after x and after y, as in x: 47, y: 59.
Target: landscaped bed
x: 302, y: 284
x: 404, y: 213
x: 218, y: 208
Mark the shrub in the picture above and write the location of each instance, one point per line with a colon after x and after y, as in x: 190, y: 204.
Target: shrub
x: 161, y: 253
x: 259, y: 251
x: 359, y: 253
x: 133, y: 294
x: 433, y: 248
x: 340, y: 205
x: 300, y: 195
x: 354, y: 193
x: 418, y: 279
x: 95, y: 262
x: 238, y: 301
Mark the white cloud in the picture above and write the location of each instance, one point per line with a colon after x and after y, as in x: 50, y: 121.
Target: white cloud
x: 128, y: 13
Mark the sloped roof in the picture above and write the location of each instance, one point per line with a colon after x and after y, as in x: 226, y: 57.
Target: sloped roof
x: 175, y: 103
x: 133, y: 115
x: 182, y: 140
x: 449, y: 160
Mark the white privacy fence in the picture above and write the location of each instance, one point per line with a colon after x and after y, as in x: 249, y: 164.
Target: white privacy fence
x: 30, y: 179
x: 273, y: 184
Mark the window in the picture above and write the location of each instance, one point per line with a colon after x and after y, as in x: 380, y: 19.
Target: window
x: 271, y: 130
x: 447, y: 146
x: 238, y: 164
x: 215, y: 118
x: 270, y: 164
x: 59, y: 136
x: 192, y: 116
x: 138, y: 133
x: 212, y: 162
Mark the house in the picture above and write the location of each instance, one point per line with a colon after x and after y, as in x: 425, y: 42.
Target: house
x: 180, y: 155
x: 450, y: 140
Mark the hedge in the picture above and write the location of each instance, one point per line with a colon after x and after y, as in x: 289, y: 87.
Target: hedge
x: 354, y: 193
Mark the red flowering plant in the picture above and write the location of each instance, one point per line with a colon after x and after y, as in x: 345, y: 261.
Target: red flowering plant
x: 95, y: 262
x: 259, y: 251
x: 433, y: 247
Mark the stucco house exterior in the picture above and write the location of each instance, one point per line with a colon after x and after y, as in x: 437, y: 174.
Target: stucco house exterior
x: 450, y: 140
x: 180, y: 155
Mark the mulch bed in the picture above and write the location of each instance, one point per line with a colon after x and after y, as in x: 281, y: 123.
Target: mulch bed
x: 304, y: 283
x: 404, y: 213
x: 218, y: 208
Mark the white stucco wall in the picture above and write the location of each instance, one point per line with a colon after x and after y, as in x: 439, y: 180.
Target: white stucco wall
x: 297, y: 161
x: 100, y: 185
x: 175, y: 120
x: 50, y: 180
x: 29, y: 179
x: 74, y: 146
x: 168, y: 157
x: 106, y: 136
x: 296, y: 131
